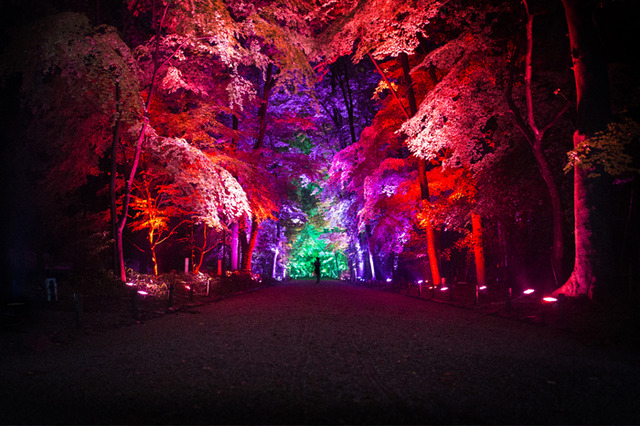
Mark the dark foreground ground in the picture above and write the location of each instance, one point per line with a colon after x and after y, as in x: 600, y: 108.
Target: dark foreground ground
x: 328, y: 353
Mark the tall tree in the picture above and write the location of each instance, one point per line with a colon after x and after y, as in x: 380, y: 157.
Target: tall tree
x: 592, y: 207
x: 535, y: 134
x: 422, y: 174
x: 269, y: 82
x: 461, y: 121
x: 94, y: 68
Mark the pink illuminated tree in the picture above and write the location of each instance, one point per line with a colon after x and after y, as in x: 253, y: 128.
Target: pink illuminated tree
x: 234, y: 46
x: 592, y: 209
x: 441, y: 130
x: 456, y: 83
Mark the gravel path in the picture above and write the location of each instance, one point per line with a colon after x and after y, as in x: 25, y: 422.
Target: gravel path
x: 328, y: 353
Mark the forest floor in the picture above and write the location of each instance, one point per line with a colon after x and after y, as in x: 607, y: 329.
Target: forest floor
x: 613, y: 323
x: 42, y: 325
x: 301, y: 353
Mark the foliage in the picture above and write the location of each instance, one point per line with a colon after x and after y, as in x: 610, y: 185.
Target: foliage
x: 308, y: 245
x: 206, y: 62
x: 207, y: 191
x: 383, y: 28
x: 63, y: 54
x: 455, y: 116
x: 607, y: 150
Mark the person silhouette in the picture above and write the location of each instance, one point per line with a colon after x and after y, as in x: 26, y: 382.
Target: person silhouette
x: 316, y: 269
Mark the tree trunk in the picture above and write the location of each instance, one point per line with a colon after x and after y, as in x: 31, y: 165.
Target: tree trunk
x: 592, y: 208
x: 347, y: 95
x: 373, y: 259
x: 275, y: 254
x: 422, y: 177
x: 234, y: 240
x: 433, y: 255
x: 203, y: 251
x: 534, y: 135
x: 350, y: 108
x: 275, y: 264
x: 224, y: 251
x: 557, y: 249
x: 155, y: 260
x: 253, y: 239
x: 478, y: 250
x: 119, y: 229
x: 247, y: 252
x: 117, y: 250
x: 262, y: 112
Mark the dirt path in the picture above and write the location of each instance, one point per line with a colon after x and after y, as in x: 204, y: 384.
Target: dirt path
x: 328, y: 353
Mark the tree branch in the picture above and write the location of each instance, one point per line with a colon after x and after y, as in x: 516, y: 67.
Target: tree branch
x: 528, y: 72
x: 395, y: 95
x: 520, y: 123
x: 556, y: 117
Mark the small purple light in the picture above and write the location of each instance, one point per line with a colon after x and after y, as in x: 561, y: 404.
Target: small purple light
x: 549, y: 299
x: 420, y: 281
x: 131, y: 284
x: 528, y: 291
x: 142, y: 292
x: 444, y: 289
x: 388, y: 280
x: 484, y: 287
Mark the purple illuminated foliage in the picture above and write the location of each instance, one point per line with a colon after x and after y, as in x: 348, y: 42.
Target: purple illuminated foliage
x: 248, y: 127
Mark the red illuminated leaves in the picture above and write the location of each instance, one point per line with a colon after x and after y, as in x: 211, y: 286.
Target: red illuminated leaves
x: 382, y: 28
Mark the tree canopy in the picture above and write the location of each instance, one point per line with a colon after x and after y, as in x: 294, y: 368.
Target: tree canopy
x: 390, y: 138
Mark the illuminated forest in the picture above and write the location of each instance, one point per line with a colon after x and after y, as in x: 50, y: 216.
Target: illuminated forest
x: 492, y: 142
